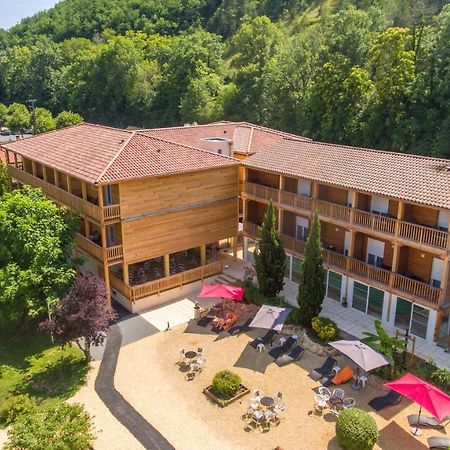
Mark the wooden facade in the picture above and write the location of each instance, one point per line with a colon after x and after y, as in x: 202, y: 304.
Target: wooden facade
x: 127, y: 224
x: 401, y: 250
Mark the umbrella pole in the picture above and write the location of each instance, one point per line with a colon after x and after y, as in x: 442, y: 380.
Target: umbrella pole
x: 415, y: 430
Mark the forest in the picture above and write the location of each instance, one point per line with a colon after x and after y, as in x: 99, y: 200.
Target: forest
x: 373, y: 73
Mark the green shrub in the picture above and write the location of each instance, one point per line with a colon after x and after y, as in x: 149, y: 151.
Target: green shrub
x: 356, y: 430
x: 442, y: 378
x: 226, y: 383
x: 325, y: 328
x: 56, y: 427
x: 15, y: 406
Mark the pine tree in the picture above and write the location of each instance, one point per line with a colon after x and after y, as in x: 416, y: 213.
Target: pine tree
x: 270, y: 258
x: 311, y: 290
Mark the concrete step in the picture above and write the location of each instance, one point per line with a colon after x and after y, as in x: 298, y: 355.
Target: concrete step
x: 225, y: 279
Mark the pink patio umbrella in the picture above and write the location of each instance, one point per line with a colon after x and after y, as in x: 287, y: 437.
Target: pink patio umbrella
x: 427, y: 396
x: 223, y: 291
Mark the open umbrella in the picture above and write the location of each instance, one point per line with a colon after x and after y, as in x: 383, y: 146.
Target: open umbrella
x: 270, y: 317
x: 223, y: 291
x: 427, y: 396
x: 363, y: 355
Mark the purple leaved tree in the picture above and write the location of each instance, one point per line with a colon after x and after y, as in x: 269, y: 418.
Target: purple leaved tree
x: 83, y: 315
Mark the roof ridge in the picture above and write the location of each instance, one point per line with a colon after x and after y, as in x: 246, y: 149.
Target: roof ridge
x: 107, y: 127
x: 124, y: 144
x: 45, y: 133
x: 182, y: 127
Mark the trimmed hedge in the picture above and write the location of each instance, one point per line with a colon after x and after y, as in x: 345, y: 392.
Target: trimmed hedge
x: 325, y: 328
x: 356, y: 430
x: 226, y: 383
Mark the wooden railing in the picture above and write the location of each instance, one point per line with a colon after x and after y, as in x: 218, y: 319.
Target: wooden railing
x: 369, y: 272
x: 59, y: 195
x: 417, y: 289
x: 333, y: 259
x: 374, y: 222
x: 333, y: 210
x: 260, y: 191
x: 424, y: 235
x: 250, y: 229
x: 295, y: 201
x: 88, y: 246
x: 119, y: 285
x: 174, y: 281
x: 293, y: 244
x: 111, y: 212
x: 114, y: 254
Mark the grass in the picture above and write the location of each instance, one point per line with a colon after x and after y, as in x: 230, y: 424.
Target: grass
x: 33, y: 365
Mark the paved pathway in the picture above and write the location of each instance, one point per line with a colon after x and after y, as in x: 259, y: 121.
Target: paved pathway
x: 147, y: 435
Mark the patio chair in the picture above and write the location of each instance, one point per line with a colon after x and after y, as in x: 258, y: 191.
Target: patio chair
x: 257, y: 394
x: 319, y: 403
x: 438, y: 443
x: 285, y: 348
x: 427, y: 421
x: 294, y: 355
x: 324, y: 393
x: 348, y: 403
x: 258, y: 418
x: 266, y: 339
x: 390, y: 399
x: 338, y: 393
x: 182, y: 356
x: 253, y: 406
x: 324, y: 370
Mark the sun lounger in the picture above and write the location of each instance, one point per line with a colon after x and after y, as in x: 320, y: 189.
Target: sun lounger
x: 228, y: 322
x: 324, y: 370
x: 294, y: 355
x: 240, y: 328
x: 426, y: 421
x: 390, y: 399
x: 266, y: 339
x: 285, y: 348
x: 438, y: 443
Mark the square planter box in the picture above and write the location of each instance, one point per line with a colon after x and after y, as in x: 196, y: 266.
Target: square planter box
x: 209, y: 392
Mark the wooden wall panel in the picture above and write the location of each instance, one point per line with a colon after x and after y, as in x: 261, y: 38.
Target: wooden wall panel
x: 417, y: 265
x: 291, y: 185
x: 143, y: 196
x: 289, y: 223
x: 168, y: 233
x: 364, y: 202
x: 264, y: 178
x: 393, y: 208
x: 421, y: 215
x: 333, y: 194
x: 330, y: 236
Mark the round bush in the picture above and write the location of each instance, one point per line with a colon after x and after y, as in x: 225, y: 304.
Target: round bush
x: 325, y: 328
x: 356, y: 430
x: 226, y: 383
x: 14, y: 407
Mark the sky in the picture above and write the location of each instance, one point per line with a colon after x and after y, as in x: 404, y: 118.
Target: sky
x: 12, y: 11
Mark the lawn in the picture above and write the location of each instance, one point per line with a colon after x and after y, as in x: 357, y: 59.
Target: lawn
x: 33, y: 365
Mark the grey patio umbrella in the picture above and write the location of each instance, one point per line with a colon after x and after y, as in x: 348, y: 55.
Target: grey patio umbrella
x: 270, y: 317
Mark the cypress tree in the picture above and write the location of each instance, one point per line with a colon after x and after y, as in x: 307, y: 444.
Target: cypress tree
x: 311, y: 290
x: 270, y: 258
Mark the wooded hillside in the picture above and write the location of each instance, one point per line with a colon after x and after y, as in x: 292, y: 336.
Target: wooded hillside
x: 373, y: 73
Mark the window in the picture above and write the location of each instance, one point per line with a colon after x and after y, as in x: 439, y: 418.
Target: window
x: 375, y: 260
x: 375, y: 303
x: 360, y: 296
x: 436, y: 283
x: 403, y: 313
x: 419, y: 321
x: 302, y: 233
x: 334, y: 285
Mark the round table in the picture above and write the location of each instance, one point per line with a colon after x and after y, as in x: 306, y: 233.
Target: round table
x: 190, y: 354
x: 267, y: 401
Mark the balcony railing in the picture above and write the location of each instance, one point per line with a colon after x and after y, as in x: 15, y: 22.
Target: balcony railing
x: 369, y: 272
x: 334, y: 211
x: 135, y: 293
x: 250, y: 229
x: 416, y: 289
x: 65, y: 198
x: 113, y: 254
x: 362, y: 219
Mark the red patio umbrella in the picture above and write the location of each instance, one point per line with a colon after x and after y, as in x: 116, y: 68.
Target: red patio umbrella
x: 427, y: 396
x: 223, y: 291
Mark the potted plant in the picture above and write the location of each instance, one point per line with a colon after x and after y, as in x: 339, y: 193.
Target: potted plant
x: 344, y: 302
x: 225, y: 388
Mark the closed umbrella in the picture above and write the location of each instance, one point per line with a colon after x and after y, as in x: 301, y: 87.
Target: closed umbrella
x: 363, y: 355
x: 427, y: 396
x: 222, y: 291
x: 270, y: 317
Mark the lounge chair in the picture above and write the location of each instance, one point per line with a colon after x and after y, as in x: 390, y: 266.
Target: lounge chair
x: 438, y: 443
x: 294, y: 355
x: 390, y: 399
x: 282, y: 349
x: 324, y: 370
x: 427, y: 421
x: 233, y: 331
x: 228, y: 322
x: 266, y: 339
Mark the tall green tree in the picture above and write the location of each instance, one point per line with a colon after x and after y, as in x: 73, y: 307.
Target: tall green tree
x: 44, y: 121
x: 4, y: 179
x: 311, y: 290
x: 18, y: 118
x: 67, y: 119
x: 270, y: 257
x: 36, y: 264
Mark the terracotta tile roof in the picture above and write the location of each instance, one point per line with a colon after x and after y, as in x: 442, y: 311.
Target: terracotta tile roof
x: 246, y: 137
x: 99, y: 154
x: 408, y: 177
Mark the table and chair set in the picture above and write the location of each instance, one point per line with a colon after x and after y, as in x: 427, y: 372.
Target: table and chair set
x: 263, y: 411
x: 335, y: 401
x: 192, y: 362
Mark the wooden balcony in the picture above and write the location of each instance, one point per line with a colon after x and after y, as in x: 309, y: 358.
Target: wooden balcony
x: 114, y: 254
x: 333, y: 211
x: 295, y: 201
x: 368, y: 272
x: 135, y: 293
x: 250, y: 229
x: 374, y: 222
x: 423, y: 235
x: 416, y: 289
x: 261, y: 192
x: 65, y: 198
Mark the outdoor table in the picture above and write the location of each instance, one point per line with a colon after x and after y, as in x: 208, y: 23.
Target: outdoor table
x: 190, y: 354
x: 267, y: 401
x: 337, y: 403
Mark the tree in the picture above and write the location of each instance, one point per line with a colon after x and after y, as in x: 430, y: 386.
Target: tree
x: 270, y: 258
x: 4, y: 179
x: 44, y: 121
x: 54, y: 427
x: 3, y: 112
x: 18, y: 118
x: 36, y: 264
x: 83, y: 315
x: 312, y: 288
x: 67, y: 119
